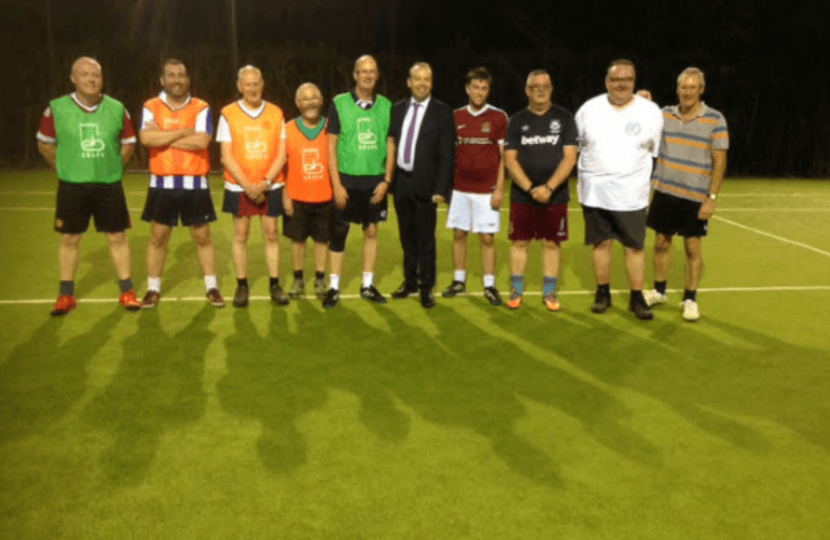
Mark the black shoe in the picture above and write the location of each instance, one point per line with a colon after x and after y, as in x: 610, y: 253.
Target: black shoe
x: 404, y: 291
x: 427, y: 298
x: 240, y: 297
x: 601, y: 303
x: 331, y: 299
x: 492, y: 294
x: 372, y: 294
x: 455, y: 288
x: 278, y: 296
x: 640, y: 309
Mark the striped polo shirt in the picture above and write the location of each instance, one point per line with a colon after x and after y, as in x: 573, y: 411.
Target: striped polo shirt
x: 684, y: 167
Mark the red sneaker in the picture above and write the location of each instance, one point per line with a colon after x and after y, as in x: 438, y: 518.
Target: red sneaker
x: 64, y: 305
x: 129, y: 301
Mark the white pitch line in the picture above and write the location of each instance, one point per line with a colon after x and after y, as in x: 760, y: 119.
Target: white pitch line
x: 773, y: 236
x: 167, y: 299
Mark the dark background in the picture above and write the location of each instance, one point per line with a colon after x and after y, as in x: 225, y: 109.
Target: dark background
x: 766, y: 65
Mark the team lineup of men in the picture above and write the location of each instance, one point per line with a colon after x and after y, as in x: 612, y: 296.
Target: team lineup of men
x: 322, y: 174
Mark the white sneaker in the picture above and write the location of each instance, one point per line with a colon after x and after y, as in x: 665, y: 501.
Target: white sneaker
x: 653, y: 298
x: 690, y: 311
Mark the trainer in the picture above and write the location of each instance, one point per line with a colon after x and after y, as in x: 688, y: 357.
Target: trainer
x: 251, y: 132
x: 176, y: 128
x: 687, y: 179
x: 619, y: 135
x: 88, y: 137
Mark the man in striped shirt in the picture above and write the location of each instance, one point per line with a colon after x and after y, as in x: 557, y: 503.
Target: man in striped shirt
x: 687, y: 179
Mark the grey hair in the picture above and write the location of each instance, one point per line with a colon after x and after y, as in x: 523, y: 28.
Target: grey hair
x: 304, y: 86
x: 249, y: 67
x: 692, y: 72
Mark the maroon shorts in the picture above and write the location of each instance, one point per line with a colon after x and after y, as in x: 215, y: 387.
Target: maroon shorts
x: 238, y: 204
x: 531, y: 221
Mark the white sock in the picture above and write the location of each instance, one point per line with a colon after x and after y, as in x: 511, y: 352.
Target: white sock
x: 367, y: 279
x: 460, y: 275
x: 210, y: 283
x: 154, y: 284
x: 335, y: 282
x: 489, y: 281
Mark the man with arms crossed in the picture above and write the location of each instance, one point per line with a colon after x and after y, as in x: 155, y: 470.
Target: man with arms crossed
x: 479, y: 182
x: 687, y: 180
x: 619, y: 134
x: 176, y: 129
x: 88, y: 137
x: 540, y: 153
x: 307, y: 195
x: 251, y: 132
x: 357, y: 128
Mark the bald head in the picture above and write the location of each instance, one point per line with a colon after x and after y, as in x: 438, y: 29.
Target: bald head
x: 85, y: 62
x: 307, y: 88
x: 248, y: 71
x: 365, y: 76
x: 87, y: 78
x: 309, y: 101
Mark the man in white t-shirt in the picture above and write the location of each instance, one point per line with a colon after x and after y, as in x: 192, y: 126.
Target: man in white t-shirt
x: 619, y: 135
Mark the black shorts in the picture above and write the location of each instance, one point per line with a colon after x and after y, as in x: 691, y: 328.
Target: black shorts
x: 359, y: 210
x: 670, y: 215
x: 238, y: 204
x: 309, y: 219
x: 104, y: 202
x: 165, y: 206
x: 629, y: 228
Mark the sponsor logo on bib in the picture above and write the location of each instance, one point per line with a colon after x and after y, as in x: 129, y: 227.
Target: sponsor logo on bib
x: 92, y: 145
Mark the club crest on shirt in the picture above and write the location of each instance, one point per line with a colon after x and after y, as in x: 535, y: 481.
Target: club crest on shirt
x: 485, y: 127
x: 525, y: 128
x: 555, y: 126
x: 632, y: 128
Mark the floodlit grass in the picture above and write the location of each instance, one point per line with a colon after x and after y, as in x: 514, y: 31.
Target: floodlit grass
x: 392, y: 422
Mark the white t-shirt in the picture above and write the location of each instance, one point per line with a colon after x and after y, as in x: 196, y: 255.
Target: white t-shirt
x: 616, y: 151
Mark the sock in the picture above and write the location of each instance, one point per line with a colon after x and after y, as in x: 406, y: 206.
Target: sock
x: 637, y: 296
x: 690, y: 295
x: 660, y: 286
x: 489, y: 281
x: 125, y: 285
x: 334, y: 282
x: 154, y: 284
x: 605, y: 290
x: 367, y: 279
x: 549, y: 285
x: 319, y: 275
x: 67, y: 288
x: 517, y: 281
x: 210, y: 282
x: 460, y: 275
x: 273, y: 282
x: 242, y: 282
x: 298, y: 274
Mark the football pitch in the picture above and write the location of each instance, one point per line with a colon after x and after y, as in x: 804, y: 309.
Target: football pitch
x: 394, y: 422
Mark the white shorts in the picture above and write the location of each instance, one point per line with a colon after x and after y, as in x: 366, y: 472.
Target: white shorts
x: 472, y: 212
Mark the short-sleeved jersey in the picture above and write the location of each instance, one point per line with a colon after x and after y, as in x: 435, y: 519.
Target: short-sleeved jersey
x: 616, y: 151
x: 255, y: 140
x: 166, y: 161
x: 539, y: 141
x: 307, y: 176
x: 478, y: 138
x: 684, y: 166
x: 88, y: 139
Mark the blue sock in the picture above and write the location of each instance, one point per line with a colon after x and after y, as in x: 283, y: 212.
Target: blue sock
x: 549, y: 285
x: 517, y: 281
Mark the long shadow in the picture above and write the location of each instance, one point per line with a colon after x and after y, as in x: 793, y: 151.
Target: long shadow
x: 158, y: 387
x: 101, y: 272
x: 43, y: 378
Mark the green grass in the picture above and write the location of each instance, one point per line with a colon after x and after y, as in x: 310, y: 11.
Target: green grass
x: 392, y: 422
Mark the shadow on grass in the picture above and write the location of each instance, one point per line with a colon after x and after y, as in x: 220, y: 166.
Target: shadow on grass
x: 158, y: 387
x: 43, y: 377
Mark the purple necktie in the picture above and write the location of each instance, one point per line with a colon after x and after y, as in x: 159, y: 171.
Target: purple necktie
x: 410, y: 135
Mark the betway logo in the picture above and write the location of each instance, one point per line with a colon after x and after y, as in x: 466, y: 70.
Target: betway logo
x: 538, y: 139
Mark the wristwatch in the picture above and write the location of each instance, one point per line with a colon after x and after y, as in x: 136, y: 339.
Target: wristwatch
x: 713, y: 196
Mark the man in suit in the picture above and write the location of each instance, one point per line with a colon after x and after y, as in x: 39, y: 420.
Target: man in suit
x: 422, y: 139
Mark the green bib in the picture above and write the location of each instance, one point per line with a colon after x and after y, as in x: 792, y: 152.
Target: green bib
x: 88, y: 143
x: 361, y: 146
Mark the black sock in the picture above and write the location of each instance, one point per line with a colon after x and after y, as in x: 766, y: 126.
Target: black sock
x: 274, y: 281
x: 67, y: 288
x: 660, y: 286
x: 690, y: 295
x: 605, y: 290
x: 319, y: 275
x: 125, y: 285
x: 242, y: 282
x: 298, y: 274
x: 637, y: 296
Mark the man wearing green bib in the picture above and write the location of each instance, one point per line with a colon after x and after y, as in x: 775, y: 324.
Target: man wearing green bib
x: 87, y: 138
x: 357, y: 129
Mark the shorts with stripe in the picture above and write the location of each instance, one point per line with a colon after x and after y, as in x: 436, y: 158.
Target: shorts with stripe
x: 167, y: 206
x: 473, y: 212
x: 105, y: 203
x: 629, y: 228
x: 537, y: 222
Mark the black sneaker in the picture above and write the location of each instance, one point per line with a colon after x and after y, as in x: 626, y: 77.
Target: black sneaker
x: 331, y: 299
x: 404, y: 291
x: 640, y: 309
x: 278, y: 296
x: 601, y: 303
x: 492, y: 294
x: 455, y: 288
x: 372, y: 294
x: 240, y: 297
